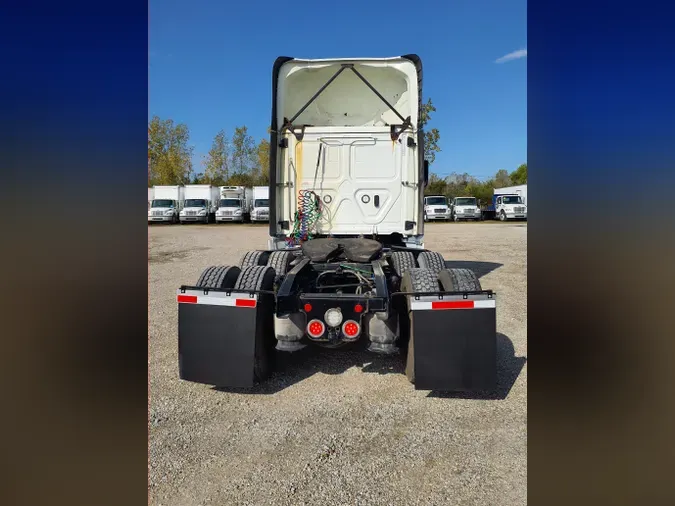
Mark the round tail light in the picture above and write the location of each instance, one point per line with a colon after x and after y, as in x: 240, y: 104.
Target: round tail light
x: 351, y: 329
x: 316, y: 328
x: 333, y: 317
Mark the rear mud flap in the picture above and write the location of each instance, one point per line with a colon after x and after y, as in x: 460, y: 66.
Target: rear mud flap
x: 224, y: 340
x: 454, y: 343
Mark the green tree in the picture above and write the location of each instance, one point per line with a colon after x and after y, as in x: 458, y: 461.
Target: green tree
x: 436, y: 185
x: 217, y: 161
x: 263, y: 159
x: 169, y: 154
x: 519, y: 176
x: 431, y: 137
x: 241, y: 179
x: 502, y: 179
x: 243, y: 151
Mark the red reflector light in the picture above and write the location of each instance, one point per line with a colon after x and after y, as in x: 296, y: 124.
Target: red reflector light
x: 188, y: 299
x: 358, y: 308
x: 316, y: 328
x: 308, y: 308
x: 452, y: 304
x: 245, y: 303
x: 351, y: 328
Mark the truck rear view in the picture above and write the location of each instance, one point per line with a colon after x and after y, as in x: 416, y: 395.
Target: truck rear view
x: 347, y: 134
x: 345, y: 260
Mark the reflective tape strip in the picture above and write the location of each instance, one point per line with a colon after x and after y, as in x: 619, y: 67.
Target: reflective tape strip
x: 216, y: 301
x: 417, y: 305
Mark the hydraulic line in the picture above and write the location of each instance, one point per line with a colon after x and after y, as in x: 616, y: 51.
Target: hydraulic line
x: 307, y: 214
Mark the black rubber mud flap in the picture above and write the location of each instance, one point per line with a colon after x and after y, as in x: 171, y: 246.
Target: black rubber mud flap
x: 224, y: 340
x: 455, y: 342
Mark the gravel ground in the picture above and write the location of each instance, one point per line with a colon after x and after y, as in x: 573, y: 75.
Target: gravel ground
x: 336, y: 427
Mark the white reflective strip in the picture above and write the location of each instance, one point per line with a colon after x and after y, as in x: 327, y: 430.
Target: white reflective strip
x: 417, y: 305
x: 217, y: 299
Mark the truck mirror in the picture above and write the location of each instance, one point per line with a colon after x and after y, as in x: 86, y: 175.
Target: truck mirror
x: 426, y: 171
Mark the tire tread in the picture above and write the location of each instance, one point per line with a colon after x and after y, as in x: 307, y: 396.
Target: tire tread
x: 431, y: 260
x: 402, y: 261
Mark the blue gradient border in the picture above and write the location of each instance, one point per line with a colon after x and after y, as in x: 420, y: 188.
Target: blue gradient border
x: 601, y: 153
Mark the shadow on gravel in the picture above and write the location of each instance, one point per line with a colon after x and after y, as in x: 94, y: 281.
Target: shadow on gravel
x: 508, y: 370
x: 480, y: 268
x: 292, y: 368
x: 296, y: 367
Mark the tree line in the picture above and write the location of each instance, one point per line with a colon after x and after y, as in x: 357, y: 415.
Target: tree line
x: 237, y: 159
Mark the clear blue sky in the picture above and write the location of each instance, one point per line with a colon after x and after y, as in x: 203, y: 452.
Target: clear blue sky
x: 210, y: 65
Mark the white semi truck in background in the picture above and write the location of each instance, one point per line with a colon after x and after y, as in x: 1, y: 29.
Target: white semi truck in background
x: 151, y: 195
x: 436, y: 208
x: 166, y: 203
x: 261, y: 204
x: 465, y: 208
x: 201, y: 202
x: 234, y: 204
x: 510, y: 203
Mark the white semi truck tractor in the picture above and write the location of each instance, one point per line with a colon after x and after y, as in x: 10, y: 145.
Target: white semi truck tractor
x: 261, y: 204
x: 510, y: 203
x: 436, y: 208
x: 345, y: 259
x: 201, y: 202
x: 234, y: 204
x: 166, y: 204
x: 465, y: 208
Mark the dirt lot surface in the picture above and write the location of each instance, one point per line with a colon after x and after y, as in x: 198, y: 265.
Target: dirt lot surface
x: 333, y: 426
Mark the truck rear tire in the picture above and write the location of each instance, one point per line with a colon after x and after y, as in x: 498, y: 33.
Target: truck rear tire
x: 218, y: 276
x: 459, y: 280
x: 252, y: 258
x: 431, y: 260
x: 255, y: 277
x: 416, y: 280
x: 401, y: 261
x: 279, y: 261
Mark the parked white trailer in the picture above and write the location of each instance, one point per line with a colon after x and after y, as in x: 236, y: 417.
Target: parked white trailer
x: 201, y: 202
x: 511, y: 202
x: 261, y: 204
x: 151, y: 195
x: 235, y: 204
x: 166, y: 204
